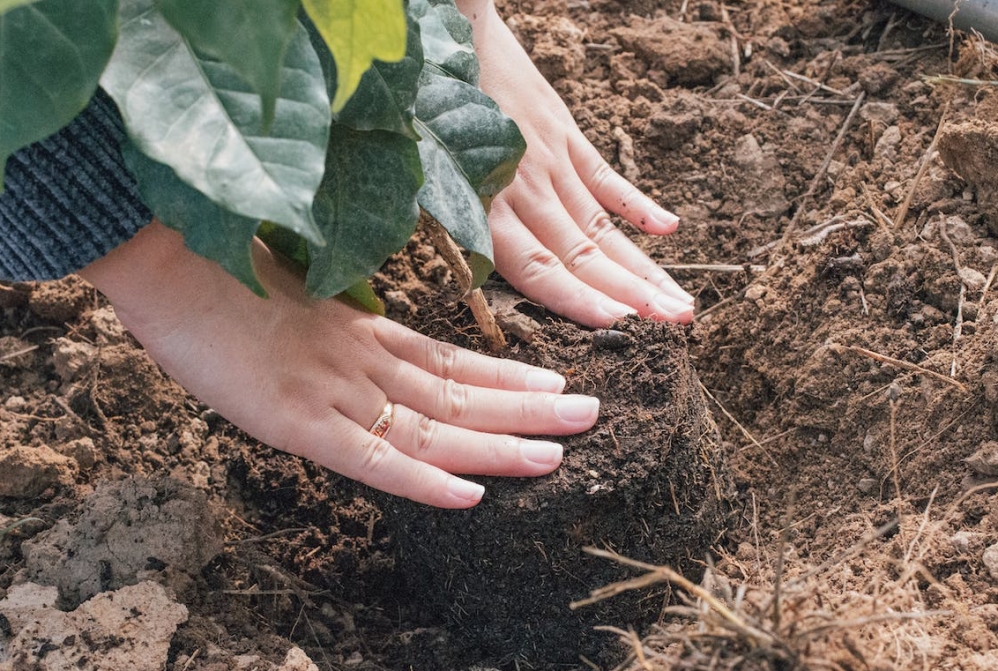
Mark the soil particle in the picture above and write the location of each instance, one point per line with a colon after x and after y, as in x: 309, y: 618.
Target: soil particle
x: 126, y: 630
x: 60, y: 301
x: 28, y: 472
x: 126, y: 529
x: 970, y: 149
x: 676, y: 53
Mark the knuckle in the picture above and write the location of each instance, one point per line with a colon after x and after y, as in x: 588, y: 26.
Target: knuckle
x: 583, y: 252
x: 453, y: 400
x: 538, y: 264
x: 602, y: 174
x: 374, y: 453
x: 599, y: 227
x: 442, y: 358
x: 427, y: 432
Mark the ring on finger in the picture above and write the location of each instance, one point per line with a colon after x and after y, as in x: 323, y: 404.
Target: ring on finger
x: 383, y: 424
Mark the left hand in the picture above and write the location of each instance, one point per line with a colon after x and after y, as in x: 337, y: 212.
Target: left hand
x: 554, y: 240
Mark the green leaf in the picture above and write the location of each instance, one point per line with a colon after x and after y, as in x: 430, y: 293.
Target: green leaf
x: 250, y: 36
x: 385, y: 98
x: 366, y: 206
x: 357, y: 32
x: 51, y: 55
x: 469, y: 150
x: 208, y: 229
x: 199, y: 117
x: 12, y: 4
x: 287, y: 243
x: 364, y: 295
x: 446, y: 37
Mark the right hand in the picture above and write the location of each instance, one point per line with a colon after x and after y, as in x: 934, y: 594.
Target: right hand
x: 310, y: 377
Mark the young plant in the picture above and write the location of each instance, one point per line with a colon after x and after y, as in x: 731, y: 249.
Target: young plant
x: 232, y: 134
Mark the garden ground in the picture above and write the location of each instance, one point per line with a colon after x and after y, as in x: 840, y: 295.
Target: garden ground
x: 834, y: 166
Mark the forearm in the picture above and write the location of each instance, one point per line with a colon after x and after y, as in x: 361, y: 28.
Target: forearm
x: 68, y: 199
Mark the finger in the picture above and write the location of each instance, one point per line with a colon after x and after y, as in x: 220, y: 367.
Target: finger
x: 489, y: 410
x: 582, y: 254
x: 458, y: 450
x: 361, y: 456
x: 454, y: 363
x: 539, y: 275
x: 618, y: 195
x: 596, y: 225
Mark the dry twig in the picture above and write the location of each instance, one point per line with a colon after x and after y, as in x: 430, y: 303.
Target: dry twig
x: 835, y: 347
x: 902, y: 212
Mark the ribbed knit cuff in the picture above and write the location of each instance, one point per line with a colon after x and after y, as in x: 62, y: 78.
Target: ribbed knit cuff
x: 68, y: 200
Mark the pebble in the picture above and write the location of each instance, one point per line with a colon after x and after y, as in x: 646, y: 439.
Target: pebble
x: 990, y: 559
x: 885, y: 113
x: 985, y: 460
x: 867, y: 485
x: 609, y: 339
x: 887, y: 145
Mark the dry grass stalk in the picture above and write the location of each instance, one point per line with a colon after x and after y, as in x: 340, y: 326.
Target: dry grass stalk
x: 846, y: 614
x: 883, y: 358
x: 734, y: 421
x: 902, y: 212
x: 823, y: 169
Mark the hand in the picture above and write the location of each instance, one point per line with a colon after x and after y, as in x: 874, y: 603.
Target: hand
x: 553, y: 239
x: 311, y: 377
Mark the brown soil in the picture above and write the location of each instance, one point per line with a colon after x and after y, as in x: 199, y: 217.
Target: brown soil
x: 846, y: 340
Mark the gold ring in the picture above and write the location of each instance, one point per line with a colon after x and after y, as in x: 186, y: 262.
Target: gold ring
x: 383, y: 424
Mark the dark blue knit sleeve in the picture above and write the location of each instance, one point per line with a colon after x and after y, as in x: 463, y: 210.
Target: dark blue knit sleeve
x: 68, y: 199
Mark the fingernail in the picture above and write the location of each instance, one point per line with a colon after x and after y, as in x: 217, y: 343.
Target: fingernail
x: 577, y: 409
x: 676, y: 291
x: 667, y: 306
x: 666, y: 219
x: 541, y: 452
x: 614, y: 309
x: 539, y: 379
x: 467, y: 491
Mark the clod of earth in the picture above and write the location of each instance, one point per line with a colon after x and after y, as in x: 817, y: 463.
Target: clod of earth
x: 647, y: 482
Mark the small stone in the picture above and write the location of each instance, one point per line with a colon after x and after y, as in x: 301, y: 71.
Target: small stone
x: 884, y: 113
x: 985, y: 460
x: 887, y: 145
x: 70, y: 357
x: 990, y: 559
x: 609, y: 339
x: 15, y: 403
x: 867, y: 485
x: 754, y: 292
x: 973, y: 279
x: 297, y: 660
x: 82, y: 450
x: 967, y: 541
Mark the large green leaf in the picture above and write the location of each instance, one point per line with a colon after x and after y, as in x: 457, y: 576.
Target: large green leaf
x: 51, y: 55
x: 357, y: 32
x: 386, y: 95
x: 366, y: 206
x: 446, y: 37
x: 199, y: 117
x: 208, y: 229
x: 469, y: 150
x: 250, y: 36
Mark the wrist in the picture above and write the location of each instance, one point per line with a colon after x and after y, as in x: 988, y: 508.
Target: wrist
x: 152, y: 269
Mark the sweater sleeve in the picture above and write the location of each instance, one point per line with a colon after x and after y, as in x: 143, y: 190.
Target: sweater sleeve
x: 68, y: 199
